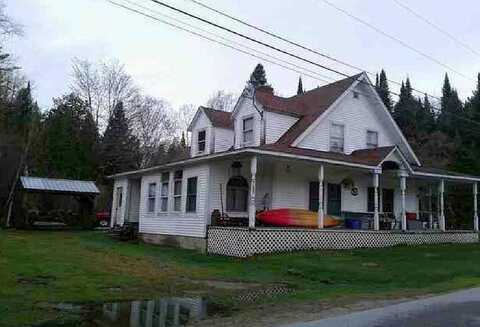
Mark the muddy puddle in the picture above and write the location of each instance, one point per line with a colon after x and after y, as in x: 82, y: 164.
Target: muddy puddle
x: 164, y: 312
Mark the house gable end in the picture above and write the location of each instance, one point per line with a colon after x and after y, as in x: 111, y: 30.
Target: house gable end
x: 360, y: 110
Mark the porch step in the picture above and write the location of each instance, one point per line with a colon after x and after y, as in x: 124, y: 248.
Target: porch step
x: 126, y: 232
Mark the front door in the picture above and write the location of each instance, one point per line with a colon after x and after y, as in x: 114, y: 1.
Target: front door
x: 334, y: 202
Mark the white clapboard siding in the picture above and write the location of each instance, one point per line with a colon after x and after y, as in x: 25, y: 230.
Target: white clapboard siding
x: 357, y: 115
x: 290, y: 188
x: 276, y: 125
x: 223, y: 139
x: 202, y: 123
x: 176, y: 223
x: 246, y: 109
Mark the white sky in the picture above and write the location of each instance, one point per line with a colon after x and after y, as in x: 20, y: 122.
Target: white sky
x: 185, y: 69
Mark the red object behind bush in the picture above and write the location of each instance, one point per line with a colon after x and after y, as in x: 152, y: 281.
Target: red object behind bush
x: 411, y: 216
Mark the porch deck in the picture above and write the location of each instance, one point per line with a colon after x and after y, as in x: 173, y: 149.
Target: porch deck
x: 246, y: 242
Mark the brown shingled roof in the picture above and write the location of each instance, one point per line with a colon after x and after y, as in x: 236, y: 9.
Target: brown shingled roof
x: 308, y: 106
x: 369, y: 157
x: 219, y: 118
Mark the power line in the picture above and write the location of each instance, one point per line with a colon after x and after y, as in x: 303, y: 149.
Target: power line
x: 391, y: 37
x: 438, y: 28
x: 246, y: 52
x: 210, y: 39
x: 294, y: 43
x: 321, y: 77
x: 274, y: 48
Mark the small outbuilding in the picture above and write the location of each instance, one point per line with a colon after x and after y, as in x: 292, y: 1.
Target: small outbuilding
x: 59, y: 194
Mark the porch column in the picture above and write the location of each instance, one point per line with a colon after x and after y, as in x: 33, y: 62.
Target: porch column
x: 430, y: 208
x: 251, y: 208
x: 403, y: 189
x: 441, y: 191
x: 376, y: 217
x: 321, y: 214
x: 475, y: 206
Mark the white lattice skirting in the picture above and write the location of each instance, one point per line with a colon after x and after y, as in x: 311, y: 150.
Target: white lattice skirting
x: 245, y: 242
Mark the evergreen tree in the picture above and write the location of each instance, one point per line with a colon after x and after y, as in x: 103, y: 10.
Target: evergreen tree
x: 119, y: 149
x: 426, y: 116
x: 405, y: 112
x: 70, y: 138
x: 300, y: 86
x: 470, y: 149
x: 381, y: 84
x: 450, y: 118
x: 23, y: 112
x: 258, y: 76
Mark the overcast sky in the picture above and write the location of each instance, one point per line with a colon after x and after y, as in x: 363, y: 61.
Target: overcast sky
x: 183, y: 69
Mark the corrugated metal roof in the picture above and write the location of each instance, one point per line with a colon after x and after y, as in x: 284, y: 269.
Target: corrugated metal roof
x: 58, y: 185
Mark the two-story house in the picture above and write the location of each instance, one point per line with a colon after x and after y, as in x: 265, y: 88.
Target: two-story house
x: 334, y: 150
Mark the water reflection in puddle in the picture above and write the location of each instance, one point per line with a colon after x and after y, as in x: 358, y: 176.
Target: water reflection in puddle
x: 163, y: 312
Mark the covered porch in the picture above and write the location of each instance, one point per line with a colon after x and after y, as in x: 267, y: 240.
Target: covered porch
x: 387, y: 194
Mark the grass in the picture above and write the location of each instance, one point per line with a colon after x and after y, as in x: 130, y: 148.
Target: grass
x: 37, y: 268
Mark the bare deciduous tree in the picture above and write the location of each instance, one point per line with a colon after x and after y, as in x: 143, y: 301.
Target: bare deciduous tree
x: 183, y: 116
x: 153, y: 125
x: 7, y: 26
x: 102, y: 86
x: 222, y: 100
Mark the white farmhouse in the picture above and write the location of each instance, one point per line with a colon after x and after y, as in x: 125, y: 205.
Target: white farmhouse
x: 334, y: 150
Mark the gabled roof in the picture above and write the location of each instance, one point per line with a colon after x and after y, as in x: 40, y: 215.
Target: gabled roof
x: 308, y: 106
x: 218, y: 118
x: 51, y: 185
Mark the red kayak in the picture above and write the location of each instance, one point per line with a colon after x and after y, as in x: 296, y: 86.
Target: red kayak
x: 295, y: 218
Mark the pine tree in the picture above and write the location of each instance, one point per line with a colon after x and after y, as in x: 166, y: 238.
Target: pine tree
x: 258, y: 76
x: 405, y: 112
x: 300, y: 86
x: 23, y: 112
x: 381, y: 84
x: 119, y: 149
x: 70, y: 137
x: 450, y: 118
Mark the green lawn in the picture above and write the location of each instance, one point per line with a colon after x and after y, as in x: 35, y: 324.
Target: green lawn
x: 37, y: 268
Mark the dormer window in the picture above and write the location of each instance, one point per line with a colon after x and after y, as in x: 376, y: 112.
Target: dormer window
x: 337, y: 137
x: 201, y: 141
x: 247, y: 129
x: 372, y: 139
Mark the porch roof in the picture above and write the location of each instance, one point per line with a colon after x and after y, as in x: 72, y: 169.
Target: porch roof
x: 365, y: 158
x: 443, y: 174
x: 368, y: 157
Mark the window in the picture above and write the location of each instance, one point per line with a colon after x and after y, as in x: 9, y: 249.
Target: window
x: 237, y: 194
x: 164, y: 192
x: 119, y: 196
x: 372, y: 139
x: 355, y: 94
x: 337, y: 137
x: 152, y: 190
x: 191, y: 194
x: 201, y: 141
x: 177, y: 190
x: 247, y: 130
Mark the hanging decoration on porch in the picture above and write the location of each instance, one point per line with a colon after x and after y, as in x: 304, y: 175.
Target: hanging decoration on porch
x: 348, y: 183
